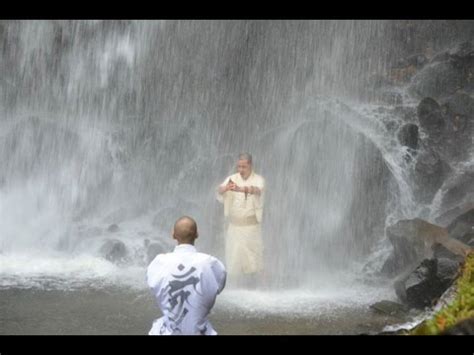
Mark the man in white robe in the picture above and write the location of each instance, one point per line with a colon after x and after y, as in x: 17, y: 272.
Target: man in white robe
x: 242, y: 195
x: 185, y: 284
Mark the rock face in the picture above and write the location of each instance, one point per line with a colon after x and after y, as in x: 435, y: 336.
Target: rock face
x: 426, y: 256
x: 437, y: 79
x: 445, y: 117
x: 462, y: 228
x: 408, y: 246
x: 412, y: 240
x: 431, y: 117
x: 415, y: 239
x: 446, y: 73
x: 459, y: 114
x: 458, y: 197
x: 114, y: 250
x: 439, y: 251
x: 430, y: 173
x: 427, y: 282
x: 448, y: 125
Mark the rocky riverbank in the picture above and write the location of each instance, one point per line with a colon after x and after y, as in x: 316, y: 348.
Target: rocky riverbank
x: 430, y: 251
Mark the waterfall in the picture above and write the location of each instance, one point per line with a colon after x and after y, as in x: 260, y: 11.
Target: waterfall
x: 135, y: 122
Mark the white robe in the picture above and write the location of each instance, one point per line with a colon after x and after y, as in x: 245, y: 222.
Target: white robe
x: 185, y: 284
x: 244, y: 245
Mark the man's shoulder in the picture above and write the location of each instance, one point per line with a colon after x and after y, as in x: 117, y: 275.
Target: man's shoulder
x: 204, y: 256
x: 207, y: 258
x: 258, y: 177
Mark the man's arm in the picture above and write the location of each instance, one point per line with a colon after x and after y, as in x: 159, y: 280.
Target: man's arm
x: 253, y: 190
x: 227, y: 187
x: 222, y: 189
x: 232, y: 186
x: 220, y: 274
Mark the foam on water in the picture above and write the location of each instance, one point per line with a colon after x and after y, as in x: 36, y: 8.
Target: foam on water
x: 304, y: 301
x: 66, y: 272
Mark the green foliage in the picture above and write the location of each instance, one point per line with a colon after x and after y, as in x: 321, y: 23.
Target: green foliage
x: 461, y: 308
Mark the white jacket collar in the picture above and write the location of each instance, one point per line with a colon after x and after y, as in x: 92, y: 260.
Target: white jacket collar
x: 184, y: 248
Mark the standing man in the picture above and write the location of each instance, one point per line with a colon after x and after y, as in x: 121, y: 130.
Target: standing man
x: 185, y: 284
x: 242, y: 195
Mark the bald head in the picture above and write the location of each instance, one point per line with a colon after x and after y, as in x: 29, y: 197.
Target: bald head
x: 185, y: 230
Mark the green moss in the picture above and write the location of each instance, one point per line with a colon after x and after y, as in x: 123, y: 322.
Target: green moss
x: 461, y: 308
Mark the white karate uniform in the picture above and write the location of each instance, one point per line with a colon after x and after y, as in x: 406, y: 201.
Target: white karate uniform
x: 185, y: 284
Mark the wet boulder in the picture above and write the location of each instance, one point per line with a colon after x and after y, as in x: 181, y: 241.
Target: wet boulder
x: 390, y: 308
x: 414, y: 240
x: 422, y: 287
x: 460, y: 109
x: 458, y: 112
x: 430, y: 173
x: 441, y: 252
x: 450, y: 214
x: 448, y: 125
x: 408, y: 135
x: 468, y: 239
x: 462, y: 54
x: 417, y: 60
x: 114, y: 251
x: 462, y: 227
x: 437, y: 80
x: 458, y: 197
x: 408, y: 246
x: 440, y: 57
x: 431, y: 118
x: 446, y: 73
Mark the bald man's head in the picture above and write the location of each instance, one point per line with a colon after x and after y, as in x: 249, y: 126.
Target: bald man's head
x: 185, y: 230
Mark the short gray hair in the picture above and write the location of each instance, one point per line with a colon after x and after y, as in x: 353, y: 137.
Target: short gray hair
x: 246, y: 156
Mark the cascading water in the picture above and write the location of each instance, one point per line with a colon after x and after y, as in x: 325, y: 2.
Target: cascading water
x: 136, y: 122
